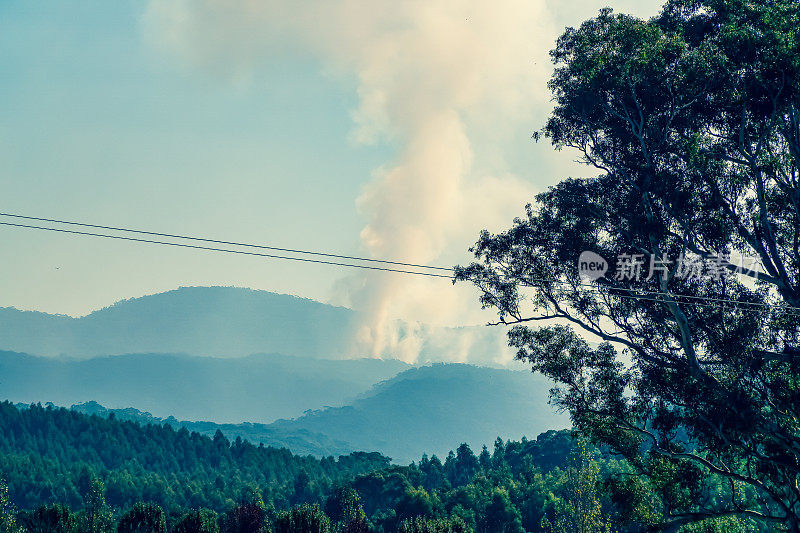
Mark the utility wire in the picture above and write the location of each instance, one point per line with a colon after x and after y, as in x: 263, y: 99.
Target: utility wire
x: 643, y: 295
x: 702, y: 298
x: 215, y: 241
x: 258, y: 254
x: 225, y: 250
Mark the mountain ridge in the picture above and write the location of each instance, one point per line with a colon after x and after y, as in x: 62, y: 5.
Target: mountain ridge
x: 210, y: 321
x: 236, y: 322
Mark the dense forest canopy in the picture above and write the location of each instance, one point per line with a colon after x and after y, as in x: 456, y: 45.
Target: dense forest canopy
x: 46, y: 454
x: 70, y: 472
x: 692, y: 121
x: 59, y: 465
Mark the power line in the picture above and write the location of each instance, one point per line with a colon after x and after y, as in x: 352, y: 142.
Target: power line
x: 224, y: 250
x: 231, y: 243
x: 643, y: 295
x: 702, y: 299
x: 653, y: 296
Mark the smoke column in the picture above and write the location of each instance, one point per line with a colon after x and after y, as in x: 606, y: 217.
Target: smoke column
x: 438, y: 79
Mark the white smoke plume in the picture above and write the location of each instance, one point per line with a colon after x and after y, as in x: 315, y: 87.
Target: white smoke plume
x: 448, y: 81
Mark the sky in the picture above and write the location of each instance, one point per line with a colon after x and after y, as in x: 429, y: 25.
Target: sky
x: 386, y: 129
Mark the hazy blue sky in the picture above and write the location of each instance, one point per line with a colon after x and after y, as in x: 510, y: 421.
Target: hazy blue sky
x: 95, y: 126
x: 259, y: 128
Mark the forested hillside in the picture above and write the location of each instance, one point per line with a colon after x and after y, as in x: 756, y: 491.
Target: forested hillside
x: 47, y: 453
x: 51, y: 455
x: 69, y: 472
x: 616, y: 349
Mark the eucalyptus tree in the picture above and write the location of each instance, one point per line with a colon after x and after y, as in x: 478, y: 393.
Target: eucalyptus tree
x: 692, y: 122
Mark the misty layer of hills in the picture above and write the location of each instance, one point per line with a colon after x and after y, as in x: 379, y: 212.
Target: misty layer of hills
x: 420, y: 410
x: 258, y: 388
x: 300, y: 442
x: 187, y: 360
x: 427, y: 409
x: 226, y: 322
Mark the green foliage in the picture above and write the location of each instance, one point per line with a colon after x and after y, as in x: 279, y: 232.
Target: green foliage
x: 508, y: 490
x: 728, y: 524
x: 54, y: 518
x: 433, y: 525
x: 8, y: 514
x: 416, y: 501
x: 246, y: 517
x: 580, y: 510
x: 343, y: 502
x: 197, y: 521
x: 143, y: 518
x: 465, y: 466
x: 303, y: 518
x: 501, y: 514
x: 96, y: 516
x: 344, y: 509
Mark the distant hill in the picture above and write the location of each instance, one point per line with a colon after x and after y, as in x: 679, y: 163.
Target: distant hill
x: 258, y: 388
x: 215, y: 321
x: 428, y: 409
x: 229, y: 322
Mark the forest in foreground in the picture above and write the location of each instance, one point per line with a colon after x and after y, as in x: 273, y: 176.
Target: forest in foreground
x: 69, y: 472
